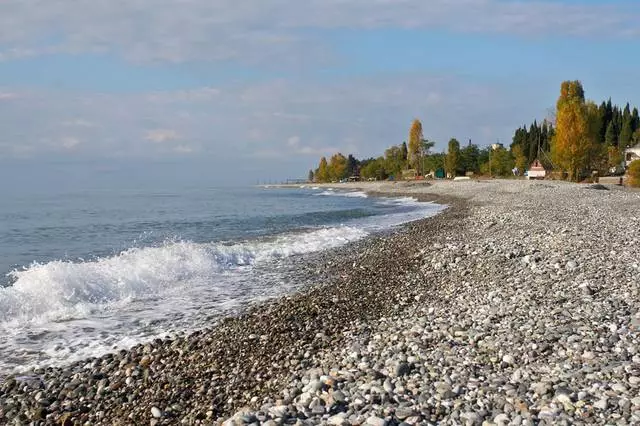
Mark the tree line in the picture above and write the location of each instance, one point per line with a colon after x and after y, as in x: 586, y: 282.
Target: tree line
x: 582, y: 137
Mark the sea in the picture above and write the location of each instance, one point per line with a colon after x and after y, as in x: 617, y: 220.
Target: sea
x: 87, y: 272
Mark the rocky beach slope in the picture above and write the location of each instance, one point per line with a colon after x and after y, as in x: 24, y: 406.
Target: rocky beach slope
x: 520, y: 304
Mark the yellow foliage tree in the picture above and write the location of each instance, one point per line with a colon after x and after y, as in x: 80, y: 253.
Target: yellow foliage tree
x: 633, y: 174
x: 519, y: 158
x: 337, y: 167
x: 322, y: 173
x: 571, y: 147
x: 415, y: 140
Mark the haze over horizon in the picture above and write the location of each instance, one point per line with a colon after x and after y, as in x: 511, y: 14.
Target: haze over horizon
x: 193, y: 90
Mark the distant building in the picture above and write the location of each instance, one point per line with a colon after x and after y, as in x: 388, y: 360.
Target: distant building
x: 536, y: 171
x: 495, y: 146
x: 631, y: 154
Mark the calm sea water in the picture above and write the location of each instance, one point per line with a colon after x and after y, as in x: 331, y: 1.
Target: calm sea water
x: 86, y: 272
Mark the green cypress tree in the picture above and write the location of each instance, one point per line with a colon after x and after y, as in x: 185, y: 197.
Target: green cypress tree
x: 635, y: 119
x: 533, y: 142
x: 611, y: 137
x: 624, y: 139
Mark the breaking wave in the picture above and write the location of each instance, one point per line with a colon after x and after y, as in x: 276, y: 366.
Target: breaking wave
x: 61, y: 290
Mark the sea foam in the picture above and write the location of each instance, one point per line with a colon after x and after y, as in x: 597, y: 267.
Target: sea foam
x: 60, y: 290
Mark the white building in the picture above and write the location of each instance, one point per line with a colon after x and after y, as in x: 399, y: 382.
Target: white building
x: 631, y: 154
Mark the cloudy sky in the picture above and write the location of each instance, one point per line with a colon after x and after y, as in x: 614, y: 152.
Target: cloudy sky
x: 259, y: 89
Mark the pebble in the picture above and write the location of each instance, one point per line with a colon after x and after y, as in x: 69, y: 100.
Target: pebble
x: 156, y: 412
x: 507, y: 309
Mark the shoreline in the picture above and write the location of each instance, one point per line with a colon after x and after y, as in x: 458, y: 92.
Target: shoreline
x: 518, y: 304
x: 324, y: 269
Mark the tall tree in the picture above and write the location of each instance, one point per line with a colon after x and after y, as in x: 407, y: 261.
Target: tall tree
x: 469, y: 156
x: 626, y: 132
x: 635, y: 119
x: 598, y: 153
x: 415, y: 139
x: 337, y: 167
x: 322, y: 173
x: 611, y: 138
x: 352, y: 166
x: 405, y: 153
x: 571, y: 147
x: 452, y: 161
x: 310, y: 176
x: 520, y: 159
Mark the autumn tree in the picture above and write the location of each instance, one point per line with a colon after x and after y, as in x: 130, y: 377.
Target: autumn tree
x: 614, y: 156
x: 571, y: 146
x: 415, y: 140
x: 635, y: 139
x: 337, y: 167
x: 453, y: 159
x: 633, y: 174
x: 520, y: 160
x: 322, y: 173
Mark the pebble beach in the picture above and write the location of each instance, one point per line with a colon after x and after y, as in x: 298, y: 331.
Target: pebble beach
x: 517, y: 305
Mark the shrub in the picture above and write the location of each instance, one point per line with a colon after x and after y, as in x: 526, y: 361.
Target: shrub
x: 633, y: 174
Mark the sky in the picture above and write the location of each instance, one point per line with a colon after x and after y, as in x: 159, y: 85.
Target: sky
x: 221, y: 91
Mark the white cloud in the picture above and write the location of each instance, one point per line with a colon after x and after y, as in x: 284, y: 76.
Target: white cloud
x: 78, y: 122
x: 162, y: 135
x: 6, y: 96
x: 69, y: 142
x: 293, y: 141
x: 269, y: 32
x: 295, y: 147
x: 361, y: 115
x: 183, y: 149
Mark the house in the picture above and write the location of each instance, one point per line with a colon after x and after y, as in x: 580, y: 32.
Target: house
x: 536, y: 171
x: 631, y: 154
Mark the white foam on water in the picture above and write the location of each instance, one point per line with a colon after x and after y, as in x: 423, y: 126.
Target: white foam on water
x: 62, y: 311
x: 352, y: 194
x: 61, y: 290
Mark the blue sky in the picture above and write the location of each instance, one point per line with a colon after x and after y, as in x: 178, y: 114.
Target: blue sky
x: 223, y: 90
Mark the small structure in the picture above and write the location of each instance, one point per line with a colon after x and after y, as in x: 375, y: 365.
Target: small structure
x: 631, y: 154
x: 536, y: 171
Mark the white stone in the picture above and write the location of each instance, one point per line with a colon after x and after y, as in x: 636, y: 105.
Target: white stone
x: 376, y: 421
x: 155, y: 412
